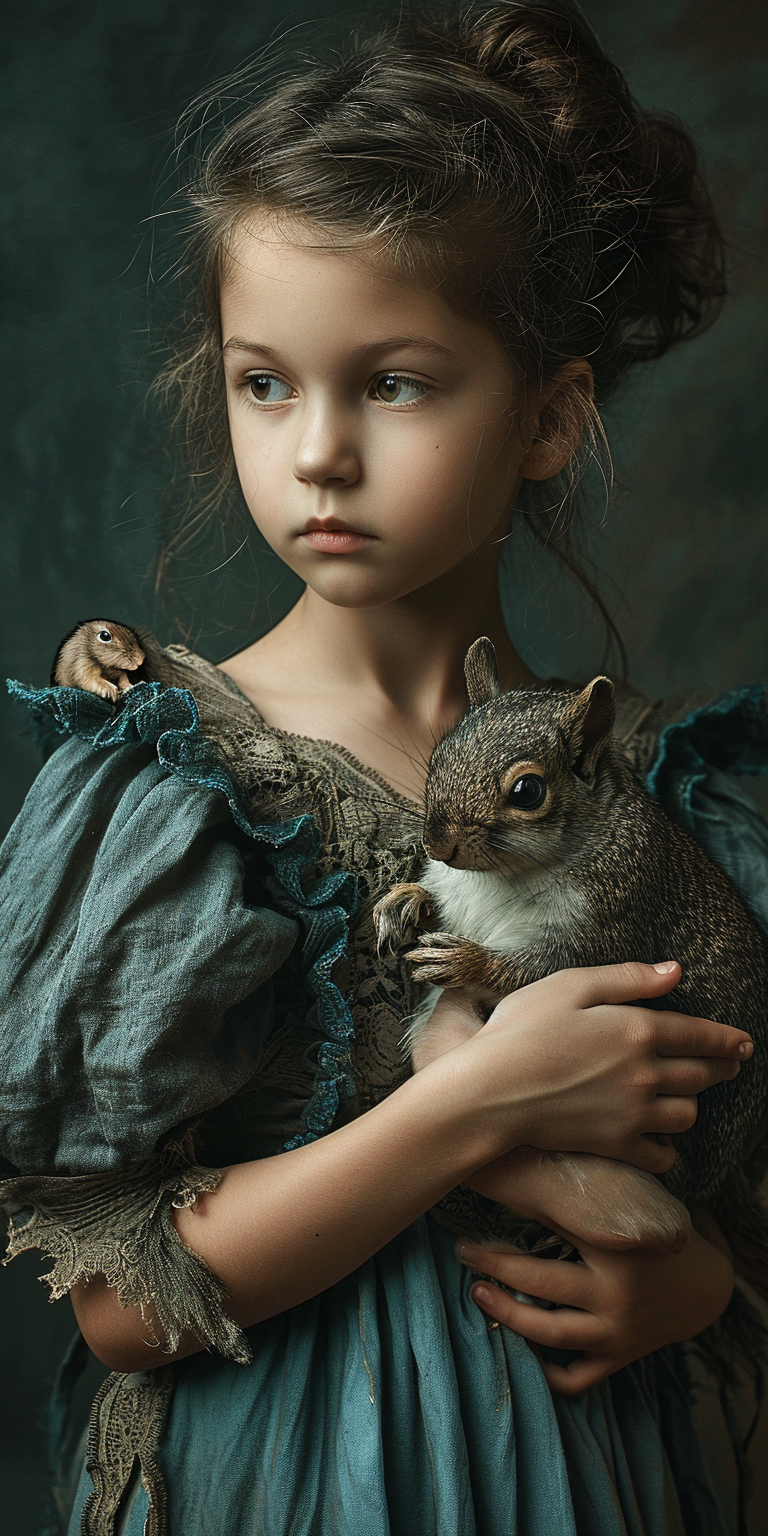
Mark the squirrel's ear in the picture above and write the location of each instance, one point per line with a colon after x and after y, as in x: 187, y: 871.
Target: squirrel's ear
x: 591, y: 721
x: 481, y: 672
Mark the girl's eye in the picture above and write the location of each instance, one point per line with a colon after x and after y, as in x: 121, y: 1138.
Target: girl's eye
x: 397, y: 389
x: 267, y: 389
x: 528, y: 792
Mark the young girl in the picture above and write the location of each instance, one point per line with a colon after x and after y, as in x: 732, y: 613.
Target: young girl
x: 422, y: 269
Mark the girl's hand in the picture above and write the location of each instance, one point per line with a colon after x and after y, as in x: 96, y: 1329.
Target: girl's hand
x: 567, y: 1064
x: 613, y: 1307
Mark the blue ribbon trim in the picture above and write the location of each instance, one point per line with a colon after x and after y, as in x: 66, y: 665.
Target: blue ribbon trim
x: 730, y: 733
x: 168, y: 718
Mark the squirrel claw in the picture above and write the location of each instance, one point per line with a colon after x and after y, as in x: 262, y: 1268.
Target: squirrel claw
x: 401, y: 910
x: 447, y: 960
x: 438, y: 959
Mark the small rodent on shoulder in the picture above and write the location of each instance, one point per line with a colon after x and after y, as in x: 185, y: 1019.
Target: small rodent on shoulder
x: 99, y: 656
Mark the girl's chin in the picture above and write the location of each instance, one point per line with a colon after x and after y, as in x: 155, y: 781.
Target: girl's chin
x: 355, y: 580
x: 342, y: 590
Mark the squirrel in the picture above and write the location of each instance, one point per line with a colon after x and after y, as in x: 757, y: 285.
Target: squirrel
x: 98, y: 655
x: 546, y: 851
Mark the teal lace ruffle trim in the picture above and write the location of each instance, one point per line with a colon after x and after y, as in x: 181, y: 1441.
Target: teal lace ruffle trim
x: 168, y: 719
x: 730, y: 733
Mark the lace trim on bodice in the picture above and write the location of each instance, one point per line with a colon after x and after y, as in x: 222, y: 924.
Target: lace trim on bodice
x: 364, y: 826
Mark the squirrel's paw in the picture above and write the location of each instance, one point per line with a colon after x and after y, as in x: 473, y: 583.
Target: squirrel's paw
x: 446, y: 960
x: 104, y: 688
x: 397, y: 914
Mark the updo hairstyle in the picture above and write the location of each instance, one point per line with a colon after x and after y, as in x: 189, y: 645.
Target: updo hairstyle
x: 498, y: 154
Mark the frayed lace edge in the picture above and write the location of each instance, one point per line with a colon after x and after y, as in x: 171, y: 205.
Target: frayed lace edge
x: 120, y: 1225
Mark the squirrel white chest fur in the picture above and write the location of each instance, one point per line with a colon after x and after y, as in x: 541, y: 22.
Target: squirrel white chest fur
x: 498, y: 912
x: 494, y: 911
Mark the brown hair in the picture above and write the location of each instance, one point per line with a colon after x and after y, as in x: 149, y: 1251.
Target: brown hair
x: 499, y: 153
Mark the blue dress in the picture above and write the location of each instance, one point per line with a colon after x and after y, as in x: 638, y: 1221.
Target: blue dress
x: 189, y: 981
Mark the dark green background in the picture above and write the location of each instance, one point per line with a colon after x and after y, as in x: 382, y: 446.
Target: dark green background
x: 91, y: 96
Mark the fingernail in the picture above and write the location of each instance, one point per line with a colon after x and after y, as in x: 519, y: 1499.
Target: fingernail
x: 480, y: 1293
x: 746, y: 1048
x: 464, y: 1250
x: 665, y: 966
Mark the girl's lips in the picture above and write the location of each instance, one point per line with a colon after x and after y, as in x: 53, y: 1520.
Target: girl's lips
x: 336, y: 541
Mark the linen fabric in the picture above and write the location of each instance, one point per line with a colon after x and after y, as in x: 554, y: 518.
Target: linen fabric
x: 154, y: 944
x: 388, y: 1407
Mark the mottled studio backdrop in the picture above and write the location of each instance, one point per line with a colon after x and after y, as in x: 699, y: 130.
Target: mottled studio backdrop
x: 91, y: 95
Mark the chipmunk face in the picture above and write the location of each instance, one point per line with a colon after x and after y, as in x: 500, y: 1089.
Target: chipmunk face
x: 113, y: 647
x: 100, y: 657
x: 510, y: 788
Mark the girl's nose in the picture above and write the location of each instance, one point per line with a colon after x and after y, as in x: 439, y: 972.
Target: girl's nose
x: 326, y: 455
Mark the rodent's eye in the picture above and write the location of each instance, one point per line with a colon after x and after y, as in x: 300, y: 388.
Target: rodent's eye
x: 528, y: 792
x: 104, y: 636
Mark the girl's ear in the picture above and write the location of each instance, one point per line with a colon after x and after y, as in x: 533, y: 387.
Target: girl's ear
x: 589, y: 725
x: 482, y: 672
x: 564, y: 413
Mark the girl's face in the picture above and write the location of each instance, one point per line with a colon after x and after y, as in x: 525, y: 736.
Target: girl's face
x: 378, y: 436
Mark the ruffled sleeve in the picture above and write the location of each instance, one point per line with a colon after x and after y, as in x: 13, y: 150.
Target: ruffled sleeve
x: 136, y: 969
x: 129, y: 947
x: 698, y: 761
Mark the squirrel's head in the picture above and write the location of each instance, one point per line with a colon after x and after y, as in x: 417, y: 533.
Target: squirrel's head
x: 513, y: 785
x: 114, y: 647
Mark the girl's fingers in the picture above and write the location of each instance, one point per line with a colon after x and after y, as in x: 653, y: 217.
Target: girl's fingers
x: 564, y: 1328
x: 674, y: 1034
x: 571, y: 1380
x: 682, y: 1034
x: 678, y: 1034
x: 692, y: 1074
x: 625, y: 982
x: 670, y: 1116
x: 557, y: 1280
x: 653, y: 1153
x: 685, y: 1075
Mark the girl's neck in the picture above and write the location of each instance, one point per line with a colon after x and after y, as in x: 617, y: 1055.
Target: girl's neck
x: 383, y: 682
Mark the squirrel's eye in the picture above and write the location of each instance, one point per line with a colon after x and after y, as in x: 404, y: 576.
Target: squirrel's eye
x: 528, y: 792
x: 104, y: 636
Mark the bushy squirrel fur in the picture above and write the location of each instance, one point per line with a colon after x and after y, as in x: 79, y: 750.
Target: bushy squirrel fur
x: 546, y: 851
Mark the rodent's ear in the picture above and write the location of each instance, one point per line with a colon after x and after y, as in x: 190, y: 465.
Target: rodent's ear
x: 592, y: 717
x: 481, y: 671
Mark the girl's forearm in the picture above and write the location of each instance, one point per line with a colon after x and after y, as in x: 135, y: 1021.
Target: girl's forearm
x: 284, y: 1228
x: 565, y: 1064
